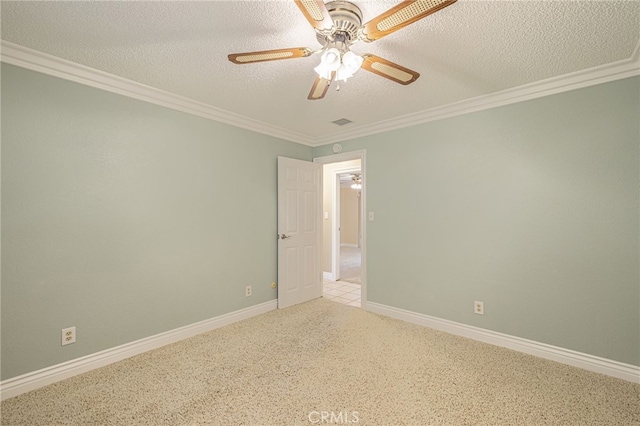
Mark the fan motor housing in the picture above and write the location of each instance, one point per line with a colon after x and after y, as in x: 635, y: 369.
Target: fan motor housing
x: 347, y: 19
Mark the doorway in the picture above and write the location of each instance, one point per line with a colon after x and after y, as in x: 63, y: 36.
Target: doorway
x: 348, y: 243
x: 344, y: 230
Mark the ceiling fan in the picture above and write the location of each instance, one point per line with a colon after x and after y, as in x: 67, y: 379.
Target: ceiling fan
x: 338, y: 25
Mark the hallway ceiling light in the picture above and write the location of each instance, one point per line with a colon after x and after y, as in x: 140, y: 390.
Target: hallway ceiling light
x: 357, y: 181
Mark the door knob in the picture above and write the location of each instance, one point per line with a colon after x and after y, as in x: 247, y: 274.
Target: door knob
x: 285, y: 236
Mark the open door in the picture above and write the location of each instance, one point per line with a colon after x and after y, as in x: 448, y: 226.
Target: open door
x: 299, y: 231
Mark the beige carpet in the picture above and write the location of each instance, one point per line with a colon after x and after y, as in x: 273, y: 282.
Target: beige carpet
x: 350, y: 264
x: 287, y: 367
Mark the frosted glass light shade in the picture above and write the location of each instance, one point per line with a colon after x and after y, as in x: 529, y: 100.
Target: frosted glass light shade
x: 323, y: 71
x: 331, y: 59
x: 343, y: 73
x: 352, y: 61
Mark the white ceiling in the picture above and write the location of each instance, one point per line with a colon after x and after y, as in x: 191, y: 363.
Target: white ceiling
x: 468, y: 50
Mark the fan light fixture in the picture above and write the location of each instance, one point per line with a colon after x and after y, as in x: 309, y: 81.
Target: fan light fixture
x: 343, y: 64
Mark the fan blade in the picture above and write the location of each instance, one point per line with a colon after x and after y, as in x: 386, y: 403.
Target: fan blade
x: 320, y: 88
x: 405, y: 13
x: 316, y: 13
x: 388, y: 69
x: 270, y: 55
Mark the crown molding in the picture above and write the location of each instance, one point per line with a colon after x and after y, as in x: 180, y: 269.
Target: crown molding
x: 24, y: 57
x: 576, y: 80
x: 34, y: 60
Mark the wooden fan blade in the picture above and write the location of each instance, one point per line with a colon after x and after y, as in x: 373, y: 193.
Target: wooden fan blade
x: 316, y: 13
x: 269, y: 55
x: 405, y: 13
x: 320, y: 88
x: 388, y: 69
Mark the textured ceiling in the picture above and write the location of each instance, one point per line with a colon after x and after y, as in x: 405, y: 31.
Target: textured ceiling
x: 469, y: 49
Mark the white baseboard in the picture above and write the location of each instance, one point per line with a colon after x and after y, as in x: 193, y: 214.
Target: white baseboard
x: 46, y: 376
x: 328, y: 276
x: 593, y: 363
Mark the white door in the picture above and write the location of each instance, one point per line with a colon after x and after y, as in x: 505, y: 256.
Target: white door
x: 299, y: 231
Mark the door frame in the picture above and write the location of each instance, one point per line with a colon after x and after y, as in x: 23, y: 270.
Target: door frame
x: 347, y: 156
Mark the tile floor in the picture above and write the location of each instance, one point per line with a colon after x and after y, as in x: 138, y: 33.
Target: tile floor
x: 342, y: 292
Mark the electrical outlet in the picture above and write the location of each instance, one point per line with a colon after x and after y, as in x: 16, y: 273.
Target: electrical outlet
x: 247, y: 291
x: 478, y: 308
x: 68, y: 335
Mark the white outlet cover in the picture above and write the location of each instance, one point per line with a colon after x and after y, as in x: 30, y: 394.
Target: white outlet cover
x: 68, y: 336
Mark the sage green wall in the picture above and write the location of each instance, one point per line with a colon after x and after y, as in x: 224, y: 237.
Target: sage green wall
x: 125, y: 219
x: 532, y: 208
